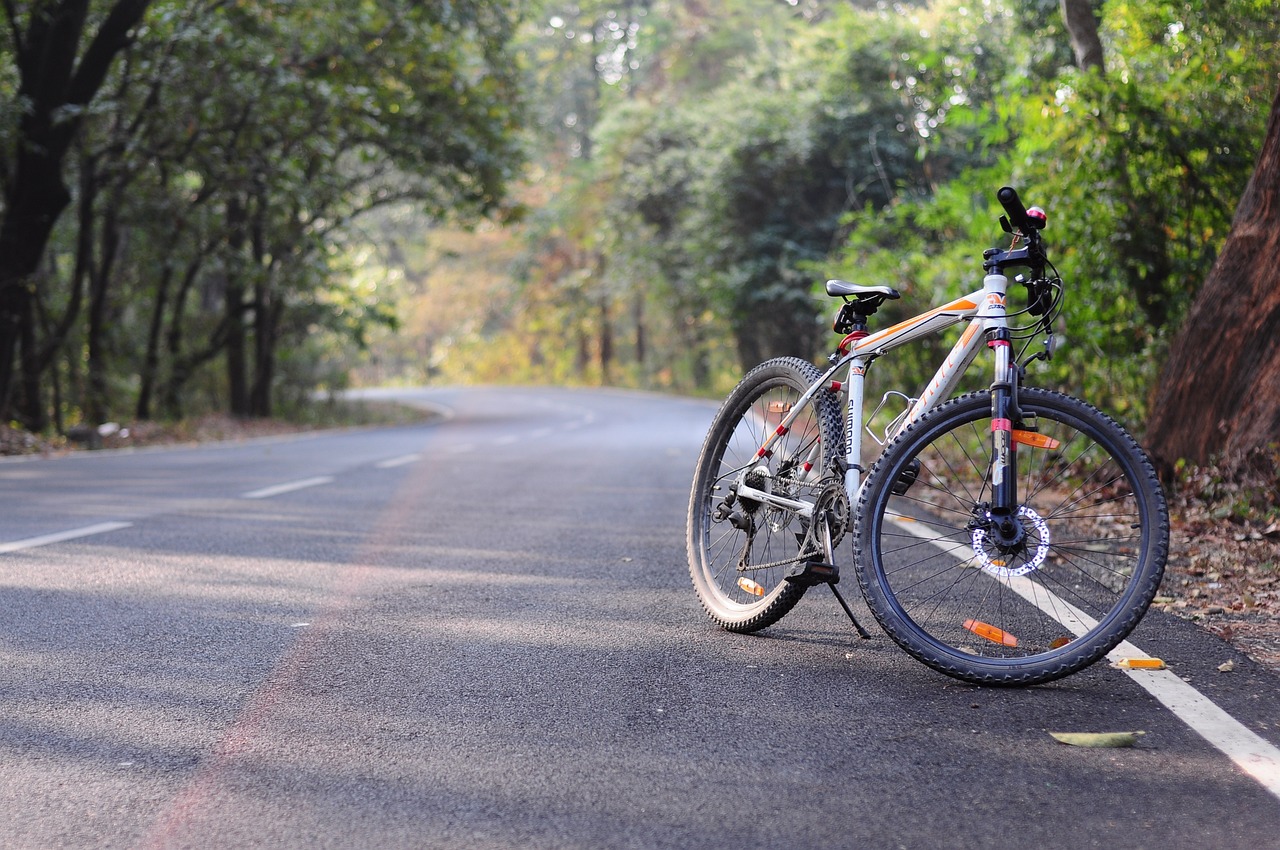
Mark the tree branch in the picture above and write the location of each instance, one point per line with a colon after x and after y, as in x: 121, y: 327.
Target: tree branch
x: 112, y: 37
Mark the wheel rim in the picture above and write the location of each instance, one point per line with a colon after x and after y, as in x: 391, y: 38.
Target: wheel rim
x: 769, y: 544
x: 1071, y: 577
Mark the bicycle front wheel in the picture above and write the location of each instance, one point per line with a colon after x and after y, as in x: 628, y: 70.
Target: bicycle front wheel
x: 741, y: 550
x: 996, y: 609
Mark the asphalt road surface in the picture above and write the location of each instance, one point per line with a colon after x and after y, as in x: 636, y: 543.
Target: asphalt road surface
x: 480, y: 633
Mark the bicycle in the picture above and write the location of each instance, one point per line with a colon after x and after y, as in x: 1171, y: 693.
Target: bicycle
x: 1009, y: 536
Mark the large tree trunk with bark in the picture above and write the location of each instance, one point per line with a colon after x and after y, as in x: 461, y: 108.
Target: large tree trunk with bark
x: 52, y: 78
x: 1219, y: 393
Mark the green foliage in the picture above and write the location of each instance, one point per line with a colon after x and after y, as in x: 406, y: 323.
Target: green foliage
x: 221, y: 176
x: 696, y: 171
x: 726, y: 196
x: 1139, y: 169
x: 736, y: 153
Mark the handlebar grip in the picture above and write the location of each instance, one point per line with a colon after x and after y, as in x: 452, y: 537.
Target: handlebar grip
x: 1012, y: 204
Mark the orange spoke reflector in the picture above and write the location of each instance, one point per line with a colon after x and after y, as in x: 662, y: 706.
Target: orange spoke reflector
x: 1059, y: 643
x: 990, y: 632
x: 1031, y: 438
x: 752, y: 587
x: 779, y: 407
x: 1140, y: 664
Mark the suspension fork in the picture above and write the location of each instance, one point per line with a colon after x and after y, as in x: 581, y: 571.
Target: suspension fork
x: 1004, y: 414
x: 1006, y: 518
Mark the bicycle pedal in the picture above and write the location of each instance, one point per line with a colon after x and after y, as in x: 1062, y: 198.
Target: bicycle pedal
x: 813, y: 572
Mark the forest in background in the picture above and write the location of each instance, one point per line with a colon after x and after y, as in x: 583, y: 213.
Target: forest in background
x: 703, y: 167
x: 185, y: 186
x: 262, y: 199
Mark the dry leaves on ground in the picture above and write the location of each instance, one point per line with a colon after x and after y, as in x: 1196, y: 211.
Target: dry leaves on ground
x: 1224, y: 563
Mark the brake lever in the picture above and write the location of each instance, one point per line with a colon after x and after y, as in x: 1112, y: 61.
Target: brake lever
x: 1050, y: 343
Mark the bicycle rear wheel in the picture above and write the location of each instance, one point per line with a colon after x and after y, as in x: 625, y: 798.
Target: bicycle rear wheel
x: 740, y: 551
x: 1095, y: 539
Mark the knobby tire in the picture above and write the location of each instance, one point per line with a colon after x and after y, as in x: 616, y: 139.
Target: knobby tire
x: 722, y: 555
x: 1097, y: 537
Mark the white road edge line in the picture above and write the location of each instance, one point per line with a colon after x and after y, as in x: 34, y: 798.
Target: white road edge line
x: 60, y: 536
x: 403, y: 460
x: 268, y: 492
x: 1250, y: 752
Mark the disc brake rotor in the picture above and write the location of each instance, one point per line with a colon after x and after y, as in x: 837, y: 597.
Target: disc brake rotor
x: 998, y: 563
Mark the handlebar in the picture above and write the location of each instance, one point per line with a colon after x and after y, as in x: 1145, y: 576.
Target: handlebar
x: 1008, y: 198
x: 1025, y: 220
x: 1024, y: 223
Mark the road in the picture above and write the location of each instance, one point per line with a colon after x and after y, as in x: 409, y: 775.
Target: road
x: 480, y: 633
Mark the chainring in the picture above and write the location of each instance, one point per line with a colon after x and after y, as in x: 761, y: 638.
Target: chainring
x: 833, y: 503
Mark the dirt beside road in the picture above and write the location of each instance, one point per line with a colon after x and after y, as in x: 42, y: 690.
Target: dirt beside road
x: 1224, y: 564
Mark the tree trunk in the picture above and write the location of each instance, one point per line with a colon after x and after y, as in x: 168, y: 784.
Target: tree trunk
x: 170, y: 390
x: 34, y: 413
x: 266, y: 332
x: 1082, y: 27
x: 606, y: 343
x: 151, y: 358
x: 234, y: 347
x: 637, y: 312
x: 96, y: 406
x: 51, y: 78
x: 234, y: 310
x: 1219, y: 394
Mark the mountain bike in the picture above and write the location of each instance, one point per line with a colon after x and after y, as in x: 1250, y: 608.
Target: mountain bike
x: 1009, y: 536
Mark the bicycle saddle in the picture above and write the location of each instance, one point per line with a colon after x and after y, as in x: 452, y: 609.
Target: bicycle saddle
x: 860, y: 293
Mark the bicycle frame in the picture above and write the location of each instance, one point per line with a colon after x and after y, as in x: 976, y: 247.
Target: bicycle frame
x: 986, y: 313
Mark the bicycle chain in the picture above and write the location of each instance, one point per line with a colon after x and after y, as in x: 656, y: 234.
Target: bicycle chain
x: 834, y: 493
x: 803, y: 556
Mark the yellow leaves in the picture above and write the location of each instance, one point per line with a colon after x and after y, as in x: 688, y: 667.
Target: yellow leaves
x: 1097, y: 739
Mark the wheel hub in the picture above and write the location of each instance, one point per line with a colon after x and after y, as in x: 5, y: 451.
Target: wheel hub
x: 997, y: 548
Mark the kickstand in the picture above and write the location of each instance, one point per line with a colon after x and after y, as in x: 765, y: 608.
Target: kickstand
x: 863, y: 633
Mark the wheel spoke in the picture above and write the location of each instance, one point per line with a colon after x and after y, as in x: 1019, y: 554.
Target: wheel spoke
x: 732, y: 538
x: 993, y: 609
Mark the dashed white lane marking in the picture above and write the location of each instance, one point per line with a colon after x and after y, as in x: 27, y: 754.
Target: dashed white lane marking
x: 403, y: 460
x: 1250, y: 752
x: 268, y: 492
x: 60, y: 536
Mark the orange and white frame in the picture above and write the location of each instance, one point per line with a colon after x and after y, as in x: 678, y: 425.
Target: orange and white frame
x: 985, y: 311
